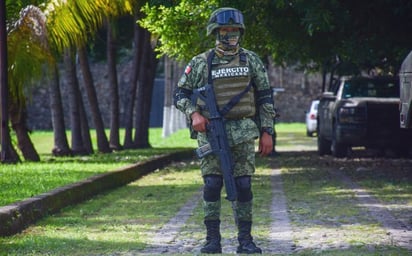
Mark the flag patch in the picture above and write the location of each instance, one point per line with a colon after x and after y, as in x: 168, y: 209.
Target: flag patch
x: 188, y: 69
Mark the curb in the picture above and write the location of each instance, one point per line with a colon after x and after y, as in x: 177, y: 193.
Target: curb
x: 15, y: 217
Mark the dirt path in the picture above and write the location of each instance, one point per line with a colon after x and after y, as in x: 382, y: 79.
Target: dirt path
x: 284, y: 239
x: 165, y: 240
x: 281, y: 234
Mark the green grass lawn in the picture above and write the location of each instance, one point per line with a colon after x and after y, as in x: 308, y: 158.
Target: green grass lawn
x: 28, y: 179
x: 121, y: 221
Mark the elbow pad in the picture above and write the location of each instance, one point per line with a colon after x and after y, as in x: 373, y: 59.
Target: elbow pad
x: 264, y: 96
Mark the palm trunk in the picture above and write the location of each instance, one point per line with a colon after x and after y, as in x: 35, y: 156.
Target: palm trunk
x: 102, y: 141
x: 144, y: 95
x: 84, y: 125
x: 138, y: 40
x: 114, y: 107
x: 78, y: 147
x: 61, y: 145
x: 8, y: 154
x: 18, y: 120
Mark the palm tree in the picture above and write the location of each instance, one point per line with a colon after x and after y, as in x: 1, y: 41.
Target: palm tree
x: 78, y: 146
x: 138, y: 41
x: 80, y: 16
x: 8, y: 154
x: 102, y: 142
x: 114, y: 91
x: 61, y: 145
x: 66, y: 24
x: 144, y: 93
x: 27, y: 59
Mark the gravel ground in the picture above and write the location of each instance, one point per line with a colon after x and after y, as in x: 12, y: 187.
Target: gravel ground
x: 288, y: 239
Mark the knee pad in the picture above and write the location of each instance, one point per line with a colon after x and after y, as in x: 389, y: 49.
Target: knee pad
x: 213, y: 187
x: 244, y: 188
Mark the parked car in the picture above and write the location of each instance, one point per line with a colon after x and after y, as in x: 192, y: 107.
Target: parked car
x: 361, y: 112
x: 311, y: 118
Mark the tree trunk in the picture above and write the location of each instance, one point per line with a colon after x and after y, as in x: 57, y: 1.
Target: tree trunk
x: 102, y: 141
x: 61, y: 145
x: 84, y: 124
x: 173, y: 119
x: 144, y: 94
x: 114, y: 107
x: 8, y: 154
x: 18, y: 121
x: 148, y: 92
x: 78, y: 147
x: 138, y: 39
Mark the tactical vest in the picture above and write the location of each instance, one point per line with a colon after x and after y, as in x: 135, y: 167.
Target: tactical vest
x: 229, y: 80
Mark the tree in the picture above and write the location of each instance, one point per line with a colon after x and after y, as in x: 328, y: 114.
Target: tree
x: 61, y: 145
x: 65, y: 23
x: 310, y: 33
x: 102, y: 142
x: 144, y: 93
x: 138, y: 43
x: 27, y: 60
x: 8, y: 155
x: 78, y: 146
x: 114, y: 88
x: 180, y: 29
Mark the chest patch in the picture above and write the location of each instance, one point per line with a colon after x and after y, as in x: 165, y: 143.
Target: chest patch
x: 230, y: 72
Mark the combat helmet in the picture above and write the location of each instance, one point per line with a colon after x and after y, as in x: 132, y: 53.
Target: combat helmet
x: 225, y: 17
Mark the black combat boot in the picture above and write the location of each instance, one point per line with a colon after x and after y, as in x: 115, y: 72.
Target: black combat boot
x: 246, y: 244
x: 212, y: 237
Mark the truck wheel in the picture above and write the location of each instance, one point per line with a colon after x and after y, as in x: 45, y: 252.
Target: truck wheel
x: 339, y: 150
x: 323, y: 146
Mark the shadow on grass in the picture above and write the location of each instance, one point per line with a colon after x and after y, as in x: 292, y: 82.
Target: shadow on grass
x: 317, y: 198
x: 69, y: 246
x: 121, y: 219
x: 123, y: 156
x: 113, y: 222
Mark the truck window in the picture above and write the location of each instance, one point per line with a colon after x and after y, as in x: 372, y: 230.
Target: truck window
x: 370, y: 88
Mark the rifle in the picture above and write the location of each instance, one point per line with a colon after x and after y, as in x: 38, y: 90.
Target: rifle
x: 217, y: 137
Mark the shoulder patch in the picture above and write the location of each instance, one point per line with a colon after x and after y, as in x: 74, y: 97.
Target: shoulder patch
x: 188, y: 69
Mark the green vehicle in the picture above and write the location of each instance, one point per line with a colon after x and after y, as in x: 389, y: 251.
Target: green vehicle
x: 361, y: 112
x: 405, y: 79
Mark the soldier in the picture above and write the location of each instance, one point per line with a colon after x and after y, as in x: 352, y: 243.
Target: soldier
x: 234, y: 70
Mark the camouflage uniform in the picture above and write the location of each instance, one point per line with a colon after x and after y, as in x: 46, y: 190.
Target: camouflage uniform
x: 238, y: 131
x: 242, y: 131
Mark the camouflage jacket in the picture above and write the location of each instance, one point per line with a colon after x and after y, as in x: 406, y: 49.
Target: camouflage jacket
x: 196, y: 76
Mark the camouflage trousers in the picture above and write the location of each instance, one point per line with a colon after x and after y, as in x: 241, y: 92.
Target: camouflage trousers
x: 244, y: 157
x: 242, y: 211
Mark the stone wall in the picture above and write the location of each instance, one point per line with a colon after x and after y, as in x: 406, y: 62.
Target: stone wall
x: 39, y: 116
x: 297, y: 90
